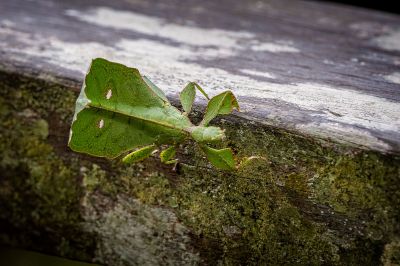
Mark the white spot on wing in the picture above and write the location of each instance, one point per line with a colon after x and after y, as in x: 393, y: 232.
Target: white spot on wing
x: 109, y: 94
x: 101, y: 123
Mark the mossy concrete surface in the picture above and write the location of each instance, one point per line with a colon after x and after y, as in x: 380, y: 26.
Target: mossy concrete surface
x: 307, y: 202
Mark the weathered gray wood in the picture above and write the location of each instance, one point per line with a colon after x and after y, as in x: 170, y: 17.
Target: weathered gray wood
x: 320, y: 69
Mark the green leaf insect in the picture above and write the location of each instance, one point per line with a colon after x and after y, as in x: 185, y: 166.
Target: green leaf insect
x: 140, y: 154
x: 118, y: 111
x: 167, y: 155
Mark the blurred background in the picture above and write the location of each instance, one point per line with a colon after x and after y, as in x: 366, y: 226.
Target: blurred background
x: 385, y: 5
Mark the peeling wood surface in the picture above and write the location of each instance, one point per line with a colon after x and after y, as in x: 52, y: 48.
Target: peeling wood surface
x: 320, y: 69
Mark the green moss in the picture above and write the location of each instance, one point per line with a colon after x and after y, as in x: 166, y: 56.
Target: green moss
x: 40, y: 191
x: 94, y: 178
x: 310, y: 202
x: 391, y: 255
x: 337, y: 194
x: 149, y: 188
x: 58, y: 202
x: 252, y: 217
x: 365, y: 187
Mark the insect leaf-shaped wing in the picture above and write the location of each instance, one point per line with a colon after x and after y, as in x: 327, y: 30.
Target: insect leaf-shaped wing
x: 118, y: 111
x: 188, y: 95
x: 140, y: 154
x: 222, y: 159
x: 222, y: 103
x: 156, y: 89
x: 167, y: 155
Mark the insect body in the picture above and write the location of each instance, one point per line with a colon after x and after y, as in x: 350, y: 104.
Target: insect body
x: 118, y: 110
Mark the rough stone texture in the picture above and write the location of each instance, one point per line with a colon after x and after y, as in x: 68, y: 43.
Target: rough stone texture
x: 312, y: 200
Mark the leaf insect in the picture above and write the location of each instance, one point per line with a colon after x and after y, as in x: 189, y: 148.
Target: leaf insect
x: 118, y: 110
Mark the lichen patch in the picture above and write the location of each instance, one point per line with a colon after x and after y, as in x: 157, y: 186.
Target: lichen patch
x: 394, y: 77
x: 389, y: 41
x: 274, y: 48
x: 258, y: 73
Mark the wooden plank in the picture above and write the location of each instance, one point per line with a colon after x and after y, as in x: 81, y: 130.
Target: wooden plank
x: 319, y: 69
